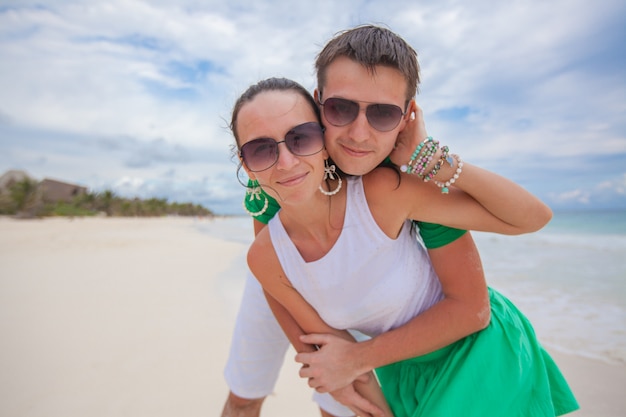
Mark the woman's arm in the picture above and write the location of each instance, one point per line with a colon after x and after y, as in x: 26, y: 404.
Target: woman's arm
x: 356, y: 395
x: 464, y: 310
x: 505, y: 199
x: 297, y: 317
x: 517, y: 210
x: 480, y: 200
x: 503, y: 208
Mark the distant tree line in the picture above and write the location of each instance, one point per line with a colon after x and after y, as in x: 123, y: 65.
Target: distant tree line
x: 24, y: 199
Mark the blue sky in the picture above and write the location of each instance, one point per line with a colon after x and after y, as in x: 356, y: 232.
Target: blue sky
x: 135, y: 96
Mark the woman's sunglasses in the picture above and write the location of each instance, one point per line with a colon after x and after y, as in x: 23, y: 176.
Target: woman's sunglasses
x: 382, y: 117
x: 303, y: 140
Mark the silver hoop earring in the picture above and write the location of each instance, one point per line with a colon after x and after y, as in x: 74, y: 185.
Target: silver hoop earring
x: 255, y: 193
x: 329, y: 173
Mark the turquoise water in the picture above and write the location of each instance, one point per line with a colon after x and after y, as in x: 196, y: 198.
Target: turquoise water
x: 609, y: 222
x: 569, y: 279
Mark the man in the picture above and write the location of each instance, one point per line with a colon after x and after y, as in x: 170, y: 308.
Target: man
x: 361, y: 66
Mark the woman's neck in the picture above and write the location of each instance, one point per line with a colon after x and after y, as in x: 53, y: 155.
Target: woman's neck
x: 315, y: 226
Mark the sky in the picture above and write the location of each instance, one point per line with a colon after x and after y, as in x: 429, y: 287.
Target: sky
x: 135, y: 96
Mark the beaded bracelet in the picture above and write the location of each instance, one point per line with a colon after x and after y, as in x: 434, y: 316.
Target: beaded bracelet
x: 421, y: 156
x: 444, y: 157
x: 425, y: 158
x: 408, y: 167
x: 444, y: 185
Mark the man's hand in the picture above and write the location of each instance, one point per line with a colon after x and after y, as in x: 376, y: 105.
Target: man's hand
x: 356, y: 403
x: 408, y: 139
x: 335, y: 365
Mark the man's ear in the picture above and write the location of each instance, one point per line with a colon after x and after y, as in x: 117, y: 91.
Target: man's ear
x: 317, y: 96
x: 410, y: 110
x: 409, y: 115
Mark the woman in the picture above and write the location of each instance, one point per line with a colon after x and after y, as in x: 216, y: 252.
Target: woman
x: 346, y: 256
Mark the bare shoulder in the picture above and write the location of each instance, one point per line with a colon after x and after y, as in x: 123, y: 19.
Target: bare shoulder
x: 385, y: 183
x: 382, y: 179
x: 261, y: 249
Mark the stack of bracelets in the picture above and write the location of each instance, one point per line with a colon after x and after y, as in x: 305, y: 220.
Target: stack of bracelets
x: 423, y: 156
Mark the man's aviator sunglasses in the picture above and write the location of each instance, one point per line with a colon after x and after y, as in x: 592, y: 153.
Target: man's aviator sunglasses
x: 303, y: 140
x: 382, y: 117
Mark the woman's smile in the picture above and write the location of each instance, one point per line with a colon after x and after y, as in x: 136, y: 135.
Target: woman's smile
x: 293, y: 180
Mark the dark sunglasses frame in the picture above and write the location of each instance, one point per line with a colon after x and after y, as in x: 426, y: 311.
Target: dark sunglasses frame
x: 369, y: 112
x: 308, y: 129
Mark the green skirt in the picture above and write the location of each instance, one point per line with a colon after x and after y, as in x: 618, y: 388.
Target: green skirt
x: 499, y: 371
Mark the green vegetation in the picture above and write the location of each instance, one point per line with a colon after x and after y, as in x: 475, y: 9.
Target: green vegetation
x: 24, y: 200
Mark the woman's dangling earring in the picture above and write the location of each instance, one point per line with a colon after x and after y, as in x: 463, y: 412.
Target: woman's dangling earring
x: 255, y: 192
x: 329, y: 173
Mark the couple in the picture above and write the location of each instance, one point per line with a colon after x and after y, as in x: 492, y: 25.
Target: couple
x: 341, y: 254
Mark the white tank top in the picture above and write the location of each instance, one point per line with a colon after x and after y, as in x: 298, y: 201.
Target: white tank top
x: 367, y: 281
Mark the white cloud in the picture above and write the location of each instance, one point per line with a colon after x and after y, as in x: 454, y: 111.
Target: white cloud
x: 130, y: 182
x: 579, y: 196
x: 617, y: 186
x: 168, y: 72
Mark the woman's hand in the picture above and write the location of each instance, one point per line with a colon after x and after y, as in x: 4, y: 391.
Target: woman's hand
x: 413, y: 133
x: 333, y: 366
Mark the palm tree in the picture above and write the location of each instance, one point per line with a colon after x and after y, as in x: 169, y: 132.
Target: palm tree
x: 26, y: 198
x: 106, y: 202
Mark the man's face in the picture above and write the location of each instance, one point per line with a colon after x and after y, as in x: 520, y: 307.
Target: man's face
x: 357, y: 148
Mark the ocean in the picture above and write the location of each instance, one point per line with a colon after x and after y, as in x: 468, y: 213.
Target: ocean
x: 569, y: 278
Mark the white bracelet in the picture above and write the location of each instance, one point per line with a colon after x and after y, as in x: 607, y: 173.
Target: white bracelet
x: 444, y: 185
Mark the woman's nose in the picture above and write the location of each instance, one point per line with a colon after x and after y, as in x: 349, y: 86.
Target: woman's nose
x: 286, y: 159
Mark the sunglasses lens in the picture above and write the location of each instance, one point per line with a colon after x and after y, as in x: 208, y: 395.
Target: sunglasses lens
x: 340, y: 112
x: 305, y: 139
x: 259, y: 154
x: 384, y: 117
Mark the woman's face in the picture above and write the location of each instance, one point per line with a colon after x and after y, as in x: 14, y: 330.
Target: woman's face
x: 273, y: 115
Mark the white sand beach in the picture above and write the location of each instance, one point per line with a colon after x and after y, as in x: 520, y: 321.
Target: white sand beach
x: 132, y: 317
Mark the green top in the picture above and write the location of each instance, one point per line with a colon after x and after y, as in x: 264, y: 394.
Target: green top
x: 433, y: 235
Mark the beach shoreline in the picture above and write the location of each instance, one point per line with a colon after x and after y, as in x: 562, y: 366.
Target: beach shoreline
x: 133, y: 316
